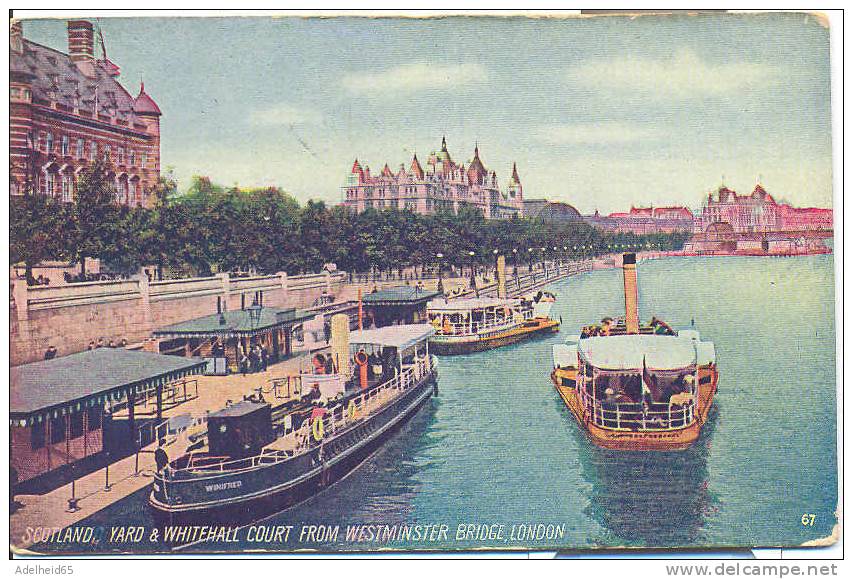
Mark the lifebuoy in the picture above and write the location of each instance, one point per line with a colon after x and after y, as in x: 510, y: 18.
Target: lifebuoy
x: 317, y: 429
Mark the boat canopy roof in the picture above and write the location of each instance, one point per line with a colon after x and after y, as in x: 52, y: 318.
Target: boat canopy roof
x: 565, y: 355
x: 627, y: 352
x: 468, y: 304
x: 400, y: 337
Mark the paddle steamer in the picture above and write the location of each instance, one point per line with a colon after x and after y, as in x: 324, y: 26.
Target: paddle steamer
x: 634, y: 387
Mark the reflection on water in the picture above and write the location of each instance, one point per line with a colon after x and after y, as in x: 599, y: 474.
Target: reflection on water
x: 652, y: 499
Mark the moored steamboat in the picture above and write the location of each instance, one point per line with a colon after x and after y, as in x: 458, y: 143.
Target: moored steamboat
x: 260, y: 461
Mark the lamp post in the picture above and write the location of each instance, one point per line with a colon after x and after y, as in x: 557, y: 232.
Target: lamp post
x: 529, y: 260
x: 473, y: 275
x: 439, y: 287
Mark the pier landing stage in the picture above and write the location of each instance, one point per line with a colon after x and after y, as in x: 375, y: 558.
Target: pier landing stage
x: 37, y: 515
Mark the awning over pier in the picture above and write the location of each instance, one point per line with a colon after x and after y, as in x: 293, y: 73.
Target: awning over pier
x: 69, y: 384
x: 237, y: 323
x: 400, y: 296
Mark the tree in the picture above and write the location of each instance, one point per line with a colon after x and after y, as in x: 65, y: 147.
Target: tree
x: 38, y: 230
x: 95, y: 214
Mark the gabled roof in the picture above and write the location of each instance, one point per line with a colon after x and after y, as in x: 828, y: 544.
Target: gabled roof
x: 416, y: 167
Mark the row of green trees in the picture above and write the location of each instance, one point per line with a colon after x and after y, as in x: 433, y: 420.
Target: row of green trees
x: 210, y: 228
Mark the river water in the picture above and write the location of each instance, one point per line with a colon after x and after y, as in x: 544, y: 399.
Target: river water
x: 498, y: 447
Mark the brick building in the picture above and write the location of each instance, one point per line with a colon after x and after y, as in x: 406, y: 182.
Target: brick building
x: 760, y: 212
x: 645, y: 220
x: 68, y: 109
x: 444, y: 185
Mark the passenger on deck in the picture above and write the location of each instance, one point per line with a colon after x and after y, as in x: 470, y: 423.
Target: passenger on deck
x: 319, y: 362
x: 314, y: 394
x: 160, y: 456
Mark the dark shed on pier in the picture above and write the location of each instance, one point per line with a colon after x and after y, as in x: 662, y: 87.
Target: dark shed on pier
x: 271, y: 327
x: 57, y: 406
x: 397, y: 305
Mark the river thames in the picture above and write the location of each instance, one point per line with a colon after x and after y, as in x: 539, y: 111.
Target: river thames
x: 499, y: 461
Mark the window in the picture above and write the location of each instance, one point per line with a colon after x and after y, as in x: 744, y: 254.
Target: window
x: 81, y: 146
x: 49, y: 143
x: 107, y: 151
x: 49, y: 183
x: 132, y: 158
x: 120, y: 152
x: 131, y: 191
x: 144, y: 160
x: 93, y: 151
x: 37, y: 435
x: 65, y: 145
x: 67, y: 189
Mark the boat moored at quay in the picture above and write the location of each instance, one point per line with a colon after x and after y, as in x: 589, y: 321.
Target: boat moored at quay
x: 470, y: 325
x: 257, y: 460
x: 633, y: 387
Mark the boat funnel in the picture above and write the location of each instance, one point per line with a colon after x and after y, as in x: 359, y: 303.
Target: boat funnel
x: 340, y: 343
x: 501, y: 277
x: 629, y: 272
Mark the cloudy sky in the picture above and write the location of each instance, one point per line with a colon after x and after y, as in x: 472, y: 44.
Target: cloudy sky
x: 598, y: 112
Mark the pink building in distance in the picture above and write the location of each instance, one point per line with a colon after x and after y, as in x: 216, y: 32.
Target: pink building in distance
x: 443, y: 185
x: 760, y: 212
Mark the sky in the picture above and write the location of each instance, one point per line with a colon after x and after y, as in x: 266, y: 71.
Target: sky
x: 602, y: 113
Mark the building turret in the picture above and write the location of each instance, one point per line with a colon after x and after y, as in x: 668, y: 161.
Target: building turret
x: 416, y: 168
x: 515, y: 188
x: 476, y: 171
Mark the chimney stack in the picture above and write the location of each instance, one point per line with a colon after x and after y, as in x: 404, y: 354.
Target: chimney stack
x: 339, y: 342
x: 16, y: 37
x: 81, y: 40
x: 629, y: 272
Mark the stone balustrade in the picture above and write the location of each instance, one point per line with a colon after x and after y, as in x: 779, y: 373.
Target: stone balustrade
x: 70, y: 316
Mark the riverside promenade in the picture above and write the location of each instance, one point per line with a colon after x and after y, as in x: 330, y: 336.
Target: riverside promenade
x: 38, y: 516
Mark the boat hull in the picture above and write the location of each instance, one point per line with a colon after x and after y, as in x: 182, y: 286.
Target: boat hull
x: 637, y: 440
x: 451, y: 345
x: 245, y: 496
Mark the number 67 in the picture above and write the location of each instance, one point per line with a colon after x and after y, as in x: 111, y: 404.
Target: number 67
x: 808, y: 520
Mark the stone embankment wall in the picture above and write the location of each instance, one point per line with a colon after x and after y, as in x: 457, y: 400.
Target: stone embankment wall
x: 70, y: 316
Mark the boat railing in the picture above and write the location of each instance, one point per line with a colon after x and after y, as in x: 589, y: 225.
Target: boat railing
x: 375, y: 399
x: 302, y: 439
x: 638, y: 416
x: 473, y: 328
